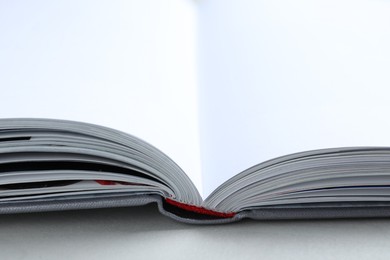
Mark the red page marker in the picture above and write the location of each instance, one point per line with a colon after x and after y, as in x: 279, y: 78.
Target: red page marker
x: 200, y: 210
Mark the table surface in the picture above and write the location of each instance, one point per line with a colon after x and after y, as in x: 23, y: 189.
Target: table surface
x: 125, y: 233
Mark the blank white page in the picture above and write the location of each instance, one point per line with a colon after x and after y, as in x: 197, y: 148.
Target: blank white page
x: 278, y: 77
x: 129, y: 65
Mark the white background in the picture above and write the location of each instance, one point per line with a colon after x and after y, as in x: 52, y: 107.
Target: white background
x: 278, y: 77
x: 217, y: 85
x: 129, y: 65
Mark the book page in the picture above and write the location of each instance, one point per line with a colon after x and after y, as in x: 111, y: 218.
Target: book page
x: 128, y: 65
x: 279, y: 77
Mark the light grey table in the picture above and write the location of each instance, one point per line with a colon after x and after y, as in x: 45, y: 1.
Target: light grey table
x: 141, y: 232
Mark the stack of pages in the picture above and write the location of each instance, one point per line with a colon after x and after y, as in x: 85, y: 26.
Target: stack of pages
x: 56, y: 164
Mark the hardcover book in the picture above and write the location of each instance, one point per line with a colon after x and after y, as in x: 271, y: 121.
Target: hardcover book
x: 48, y: 164
x: 248, y: 109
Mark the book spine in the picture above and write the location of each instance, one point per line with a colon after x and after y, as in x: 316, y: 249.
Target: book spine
x: 200, y: 210
x: 180, y: 209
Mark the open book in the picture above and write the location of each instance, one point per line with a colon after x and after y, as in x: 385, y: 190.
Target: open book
x: 56, y: 164
x: 218, y: 86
